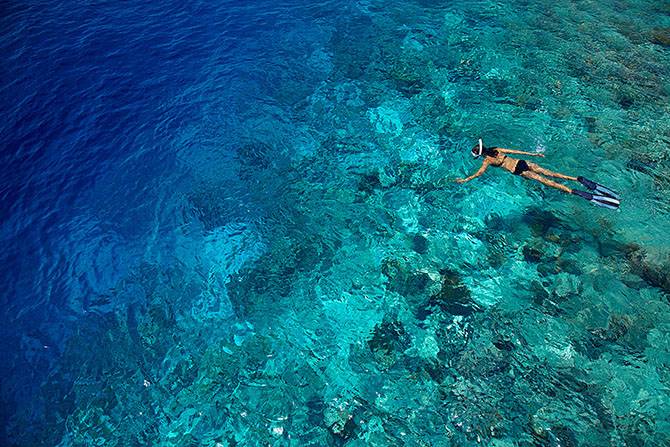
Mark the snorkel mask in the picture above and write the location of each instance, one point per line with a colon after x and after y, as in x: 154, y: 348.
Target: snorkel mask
x: 477, y: 150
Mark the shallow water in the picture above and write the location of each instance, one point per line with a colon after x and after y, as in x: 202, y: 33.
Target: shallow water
x: 231, y: 224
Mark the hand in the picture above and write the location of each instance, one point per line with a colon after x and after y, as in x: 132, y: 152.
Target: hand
x: 460, y: 180
x: 540, y: 155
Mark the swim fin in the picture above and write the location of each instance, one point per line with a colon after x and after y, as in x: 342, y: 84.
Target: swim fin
x: 605, y: 201
x: 598, y: 189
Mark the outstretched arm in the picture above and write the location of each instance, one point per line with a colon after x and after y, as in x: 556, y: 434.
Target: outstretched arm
x: 513, y: 151
x: 479, y: 172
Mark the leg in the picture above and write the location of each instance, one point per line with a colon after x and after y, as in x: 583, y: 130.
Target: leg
x: 535, y: 176
x: 540, y: 170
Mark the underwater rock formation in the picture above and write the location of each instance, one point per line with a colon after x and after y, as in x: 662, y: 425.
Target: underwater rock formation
x: 656, y: 272
x: 660, y: 36
x: 453, y: 297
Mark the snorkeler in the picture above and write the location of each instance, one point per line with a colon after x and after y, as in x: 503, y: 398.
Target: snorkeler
x: 496, y: 156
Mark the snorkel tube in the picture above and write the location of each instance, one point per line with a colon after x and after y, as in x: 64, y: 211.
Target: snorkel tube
x: 477, y: 150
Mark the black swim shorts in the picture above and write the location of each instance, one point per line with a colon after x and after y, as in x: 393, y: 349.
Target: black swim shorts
x: 521, y: 167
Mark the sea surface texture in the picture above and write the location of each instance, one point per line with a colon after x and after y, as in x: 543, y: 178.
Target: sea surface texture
x: 234, y: 223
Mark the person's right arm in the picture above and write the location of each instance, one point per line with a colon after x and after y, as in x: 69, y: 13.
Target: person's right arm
x: 479, y: 172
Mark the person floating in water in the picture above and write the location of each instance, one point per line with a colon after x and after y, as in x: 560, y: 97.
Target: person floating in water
x: 497, y: 157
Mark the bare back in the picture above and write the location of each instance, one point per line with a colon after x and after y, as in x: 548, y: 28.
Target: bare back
x: 502, y: 160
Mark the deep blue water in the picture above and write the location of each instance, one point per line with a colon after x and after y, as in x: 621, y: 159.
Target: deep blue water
x: 109, y: 112
x: 232, y: 223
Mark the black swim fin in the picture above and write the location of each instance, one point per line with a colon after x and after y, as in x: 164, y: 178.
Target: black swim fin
x: 605, y: 201
x: 597, y: 188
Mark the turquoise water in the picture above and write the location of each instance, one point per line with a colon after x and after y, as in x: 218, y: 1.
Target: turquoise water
x: 279, y: 256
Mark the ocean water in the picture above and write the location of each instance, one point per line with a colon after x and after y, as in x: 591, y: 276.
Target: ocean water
x: 235, y: 224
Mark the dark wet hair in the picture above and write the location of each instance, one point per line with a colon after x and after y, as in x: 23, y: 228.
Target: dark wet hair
x: 490, y: 151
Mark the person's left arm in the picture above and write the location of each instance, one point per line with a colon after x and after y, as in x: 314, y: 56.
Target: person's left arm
x: 514, y: 151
